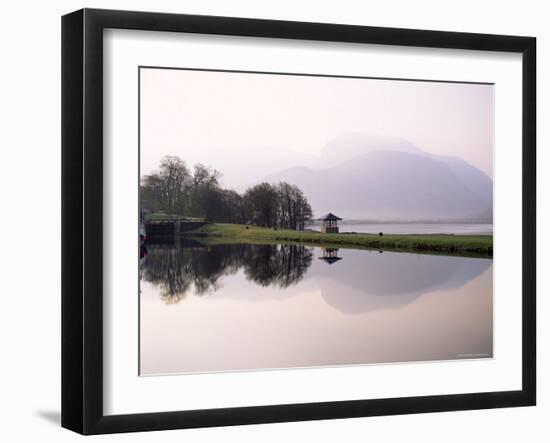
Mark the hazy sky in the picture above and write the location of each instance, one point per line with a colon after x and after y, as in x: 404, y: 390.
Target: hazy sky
x: 251, y: 125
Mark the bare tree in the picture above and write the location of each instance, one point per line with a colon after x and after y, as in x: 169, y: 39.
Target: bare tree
x: 174, y: 189
x: 294, y: 209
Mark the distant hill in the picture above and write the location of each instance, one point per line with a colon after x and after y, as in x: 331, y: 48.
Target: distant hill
x: 389, y: 178
x: 354, y: 144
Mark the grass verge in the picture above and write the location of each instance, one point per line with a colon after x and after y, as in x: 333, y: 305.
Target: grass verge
x: 448, y: 244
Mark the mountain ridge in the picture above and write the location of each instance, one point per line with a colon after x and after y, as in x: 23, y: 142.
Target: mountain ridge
x: 392, y: 184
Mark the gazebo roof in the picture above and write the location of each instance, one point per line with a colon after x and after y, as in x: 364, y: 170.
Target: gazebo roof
x: 329, y: 216
x: 330, y: 260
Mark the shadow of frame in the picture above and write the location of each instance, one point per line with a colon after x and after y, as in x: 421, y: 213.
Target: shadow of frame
x: 54, y: 417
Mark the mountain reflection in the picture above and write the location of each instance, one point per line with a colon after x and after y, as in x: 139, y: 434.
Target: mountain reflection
x: 371, y: 281
x: 200, y: 269
x: 362, y: 280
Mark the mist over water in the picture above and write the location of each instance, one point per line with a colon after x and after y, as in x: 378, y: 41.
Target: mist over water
x: 245, y: 307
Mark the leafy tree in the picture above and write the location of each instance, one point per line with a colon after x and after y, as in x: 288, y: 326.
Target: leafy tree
x: 262, y: 205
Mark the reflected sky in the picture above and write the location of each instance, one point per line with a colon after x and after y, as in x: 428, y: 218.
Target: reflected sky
x: 243, y: 307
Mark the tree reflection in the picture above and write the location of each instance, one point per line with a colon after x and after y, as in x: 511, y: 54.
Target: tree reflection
x: 200, y: 269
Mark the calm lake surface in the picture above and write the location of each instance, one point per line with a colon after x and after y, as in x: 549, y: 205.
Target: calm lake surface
x: 415, y: 228
x: 243, y: 307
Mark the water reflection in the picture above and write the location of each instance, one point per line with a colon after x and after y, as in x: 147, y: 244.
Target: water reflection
x: 199, y: 268
x: 370, y: 281
x: 245, y: 306
x: 330, y: 255
x: 364, y: 281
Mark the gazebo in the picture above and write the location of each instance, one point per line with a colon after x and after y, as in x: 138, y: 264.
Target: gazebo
x: 330, y: 223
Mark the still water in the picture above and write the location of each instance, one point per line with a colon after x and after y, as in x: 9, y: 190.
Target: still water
x: 243, y: 307
x: 415, y: 228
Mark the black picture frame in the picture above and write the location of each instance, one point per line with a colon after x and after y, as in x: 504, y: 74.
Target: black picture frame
x: 82, y: 218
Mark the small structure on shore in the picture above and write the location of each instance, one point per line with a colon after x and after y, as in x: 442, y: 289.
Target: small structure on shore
x: 330, y: 223
x: 170, y: 227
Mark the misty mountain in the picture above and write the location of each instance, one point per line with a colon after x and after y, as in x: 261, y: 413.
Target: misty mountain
x: 389, y: 178
x: 354, y: 144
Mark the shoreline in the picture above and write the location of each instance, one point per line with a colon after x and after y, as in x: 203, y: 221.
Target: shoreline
x: 480, y: 246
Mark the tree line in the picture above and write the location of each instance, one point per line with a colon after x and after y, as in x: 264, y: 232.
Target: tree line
x: 197, y: 192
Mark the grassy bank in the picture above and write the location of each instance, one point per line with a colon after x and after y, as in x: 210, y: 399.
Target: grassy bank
x: 469, y: 245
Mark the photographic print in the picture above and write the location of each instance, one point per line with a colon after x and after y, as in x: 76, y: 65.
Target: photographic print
x: 295, y: 221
